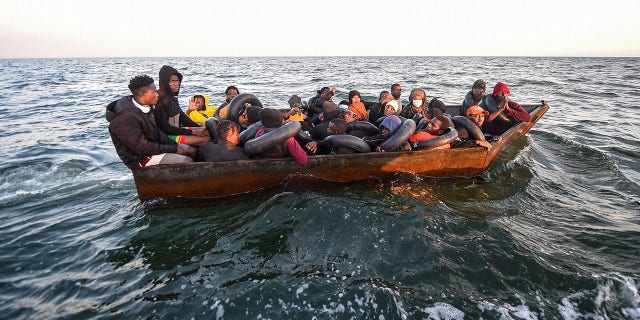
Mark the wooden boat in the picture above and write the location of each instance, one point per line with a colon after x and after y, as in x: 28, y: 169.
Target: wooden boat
x: 221, y: 179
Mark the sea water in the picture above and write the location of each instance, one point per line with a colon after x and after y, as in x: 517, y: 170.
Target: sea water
x: 551, y: 230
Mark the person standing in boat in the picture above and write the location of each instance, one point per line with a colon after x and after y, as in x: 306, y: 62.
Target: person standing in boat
x: 272, y: 119
x: 503, y: 113
x: 226, y: 148
x: 134, y: 132
x: 170, y: 118
x: 475, y: 97
x: 396, y: 92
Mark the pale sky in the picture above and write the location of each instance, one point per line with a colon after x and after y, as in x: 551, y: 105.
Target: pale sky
x: 187, y: 28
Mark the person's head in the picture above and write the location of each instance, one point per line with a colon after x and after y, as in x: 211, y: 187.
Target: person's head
x: 253, y: 114
x: 389, y: 125
x: 271, y: 118
x: 327, y: 94
x: 329, y: 111
x: 417, y: 98
x: 354, y: 96
x: 478, y: 88
x: 438, y: 125
x: 231, y: 92
x: 499, y: 90
x: 170, y: 80
x: 347, y: 114
x: 143, y: 90
x: 199, y: 101
x: 295, y: 101
x: 323, y: 90
x: 174, y: 83
x: 228, y: 131
x: 337, y: 126
x: 396, y: 91
x: 385, y: 96
x: 391, y: 108
x: 436, y: 108
x: 476, y: 114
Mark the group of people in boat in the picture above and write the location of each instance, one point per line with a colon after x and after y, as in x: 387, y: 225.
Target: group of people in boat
x: 150, y: 128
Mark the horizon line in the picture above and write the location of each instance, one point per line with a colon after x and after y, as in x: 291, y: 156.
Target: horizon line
x: 312, y: 56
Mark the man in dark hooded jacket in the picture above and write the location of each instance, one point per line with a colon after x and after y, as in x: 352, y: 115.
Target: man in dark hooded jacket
x: 133, y: 129
x: 170, y: 118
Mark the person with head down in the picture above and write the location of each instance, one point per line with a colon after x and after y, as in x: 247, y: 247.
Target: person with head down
x: 134, y: 133
x: 272, y: 119
x: 513, y: 111
x: 226, y: 147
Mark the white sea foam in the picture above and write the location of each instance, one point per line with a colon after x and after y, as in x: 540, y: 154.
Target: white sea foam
x: 443, y: 311
x: 507, y: 311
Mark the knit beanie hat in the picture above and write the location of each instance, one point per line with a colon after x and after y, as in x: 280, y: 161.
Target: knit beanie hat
x: 500, y: 88
x: 479, y: 84
x: 437, y: 104
x: 271, y: 118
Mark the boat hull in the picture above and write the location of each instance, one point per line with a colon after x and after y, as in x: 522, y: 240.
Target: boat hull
x: 221, y: 179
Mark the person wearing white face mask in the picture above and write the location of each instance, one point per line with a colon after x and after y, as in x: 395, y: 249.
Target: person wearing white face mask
x: 417, y: 104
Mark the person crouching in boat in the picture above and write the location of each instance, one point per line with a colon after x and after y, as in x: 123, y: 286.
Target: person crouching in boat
x: 272, y: 119
x: 475, y: 96
x: 336, y: 126
x: 476, y: 114
x: 170, y: 118
x: 226, y: 148
x: 390, y: 124
x: 507, y: 114
x: 199, y: 109
x: 134, y: 133
x: 434, y: 129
